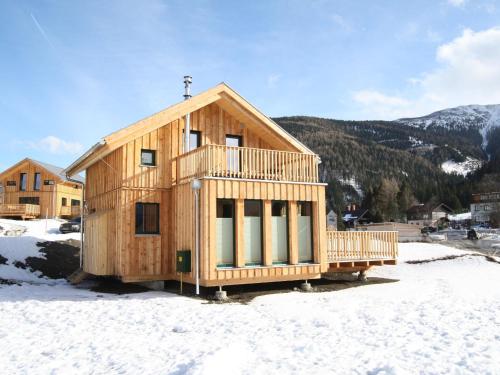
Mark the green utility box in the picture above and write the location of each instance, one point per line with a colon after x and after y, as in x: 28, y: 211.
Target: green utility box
x: 183, y: 261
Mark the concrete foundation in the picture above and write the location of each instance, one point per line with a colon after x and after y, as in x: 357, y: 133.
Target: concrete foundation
x: 362, y: 276
x: 221, y: 295
x: 306, y: 287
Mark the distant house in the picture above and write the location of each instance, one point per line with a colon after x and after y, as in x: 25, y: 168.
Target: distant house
x: 483, y: 205
x: 31, y: 189
x: 354, y: 216
x: 425, y: 215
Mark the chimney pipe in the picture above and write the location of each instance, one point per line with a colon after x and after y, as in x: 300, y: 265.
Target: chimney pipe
x: 187, y: 95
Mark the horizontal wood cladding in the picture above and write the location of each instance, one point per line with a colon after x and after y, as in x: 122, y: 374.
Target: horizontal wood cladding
x: 50, y: 196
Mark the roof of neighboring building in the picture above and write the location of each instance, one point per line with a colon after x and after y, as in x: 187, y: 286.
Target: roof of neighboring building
x: 57, y: 171
x: 354, y: 215
x: 427, y: 208
x: 221, y: 94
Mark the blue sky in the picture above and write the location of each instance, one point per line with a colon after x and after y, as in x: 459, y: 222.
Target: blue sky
x: 72, y: 72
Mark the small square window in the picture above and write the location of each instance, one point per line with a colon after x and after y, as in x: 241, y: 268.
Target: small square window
x: 148, y: 157
x: 147, y: 218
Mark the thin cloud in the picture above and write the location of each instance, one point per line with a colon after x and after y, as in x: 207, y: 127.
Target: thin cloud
x: 467, y: 73
x: 456, y: 3
x: 53, y: 145
x: 41, y: 30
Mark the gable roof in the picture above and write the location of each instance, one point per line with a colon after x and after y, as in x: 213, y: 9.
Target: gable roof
x: 52, y: 169
x: 427, y: 208
x: 222, y: 94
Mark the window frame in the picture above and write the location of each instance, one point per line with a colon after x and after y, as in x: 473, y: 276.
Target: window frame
x: 261, y: 216
x: 311, y: 218
x: 287, y: 213
x: 39, y: 175
x: 136, y: 226
x: 23, y: 177
x: 64, y: 202
x: 153, y: 153
x: 233, y: 216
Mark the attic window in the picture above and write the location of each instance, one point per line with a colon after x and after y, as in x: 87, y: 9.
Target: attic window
x: 148, y: 157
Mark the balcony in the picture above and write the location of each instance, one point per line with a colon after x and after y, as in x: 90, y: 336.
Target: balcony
x: 25, y: 211
x: 361, y: 248
x: 68, y: 211
x: 245, y: 163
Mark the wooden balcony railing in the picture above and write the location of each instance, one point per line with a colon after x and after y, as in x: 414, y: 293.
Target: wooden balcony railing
x: 244, y: 162
x: 75, y: 211
x: 22, y: 210
x: 65, y: 211
x: 358, y: 246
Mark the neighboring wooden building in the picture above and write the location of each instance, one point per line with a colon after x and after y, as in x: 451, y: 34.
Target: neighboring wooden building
x: 428, y: 214
x: 32, y: 189
x: 261, y: 205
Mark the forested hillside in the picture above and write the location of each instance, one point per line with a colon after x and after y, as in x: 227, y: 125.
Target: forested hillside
x: 363, y: 159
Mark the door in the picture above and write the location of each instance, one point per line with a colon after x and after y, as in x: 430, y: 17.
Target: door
x: 233, y: 154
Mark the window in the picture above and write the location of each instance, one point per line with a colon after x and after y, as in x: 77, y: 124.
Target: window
x: 48, y: 182
x: 304, y: 227
x: 233, y: 155
x: 64, y: 202
x: 194, y: 139
x: 22, y: 182
x: 225, y: 232
x: 37, y: 182
x: 253, y: 232
x: 148, y: 157
x: 75, y: 202
x: 279, y: 231
x: 11, y: 183
x: 29, y: 200
x: 147, y: 218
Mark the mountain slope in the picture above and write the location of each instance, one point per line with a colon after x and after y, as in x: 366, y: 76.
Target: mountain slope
x: 357, y: 155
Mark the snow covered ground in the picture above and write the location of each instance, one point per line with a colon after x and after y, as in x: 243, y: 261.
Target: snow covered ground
x: 19, y: 248
x: 441, y: 317
x: 462, y: 168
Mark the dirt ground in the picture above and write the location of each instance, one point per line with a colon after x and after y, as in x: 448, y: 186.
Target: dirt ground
x: 62, y: 258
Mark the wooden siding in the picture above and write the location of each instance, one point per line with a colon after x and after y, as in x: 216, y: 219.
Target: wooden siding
x: 50, y: 196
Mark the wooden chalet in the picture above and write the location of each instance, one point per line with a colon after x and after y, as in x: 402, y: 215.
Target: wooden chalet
x: 261, y: 205
x: 32, y: 189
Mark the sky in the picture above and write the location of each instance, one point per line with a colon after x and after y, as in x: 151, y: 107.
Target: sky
x: 72, y: 72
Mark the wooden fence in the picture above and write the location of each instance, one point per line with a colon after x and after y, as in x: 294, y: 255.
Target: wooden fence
x: 22, y: 210
x: 354, y: 246
x: 244, y: 162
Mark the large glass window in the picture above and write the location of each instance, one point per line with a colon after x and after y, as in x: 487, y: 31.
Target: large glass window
x: 37, y: 182
x: 225, y: 232
x: 304, y: 227
x: 22, y: 182
x: 279, y: 229
x: 147, y: 218
x: 253, y: 232
x: 29, y: 200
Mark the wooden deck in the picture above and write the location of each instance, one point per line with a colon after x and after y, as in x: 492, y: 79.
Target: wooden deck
x: 246, y: 163
x: 25, y: 211
x: 354, y: 250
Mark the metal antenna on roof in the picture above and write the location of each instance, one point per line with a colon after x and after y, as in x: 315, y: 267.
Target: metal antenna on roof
x: 187, y: 95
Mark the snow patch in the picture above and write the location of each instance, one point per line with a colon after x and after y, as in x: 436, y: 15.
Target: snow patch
x: 461, y: 168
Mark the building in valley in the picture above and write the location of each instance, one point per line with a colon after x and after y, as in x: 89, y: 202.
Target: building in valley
x: 483, y: 206
x: 32, y: 189
x: 429, y: 214
x: 239, y: 199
